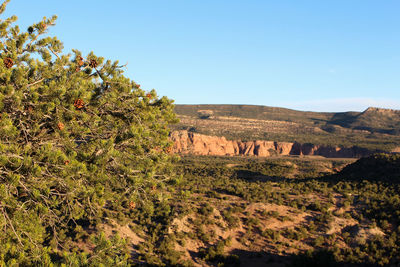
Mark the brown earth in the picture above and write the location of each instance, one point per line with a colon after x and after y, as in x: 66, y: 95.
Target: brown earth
x: 198, y: 144
x: 396, y: 150
x: 245, y: 237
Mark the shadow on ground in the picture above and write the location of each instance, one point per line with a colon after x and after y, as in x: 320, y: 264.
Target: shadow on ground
x: 319, y: 258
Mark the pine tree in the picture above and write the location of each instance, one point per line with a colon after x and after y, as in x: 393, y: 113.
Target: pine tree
x: 79, y: 142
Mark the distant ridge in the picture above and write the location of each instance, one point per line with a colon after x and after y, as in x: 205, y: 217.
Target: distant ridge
x: 373, y: 118
x: 373, y: 128
x: 376, y: 109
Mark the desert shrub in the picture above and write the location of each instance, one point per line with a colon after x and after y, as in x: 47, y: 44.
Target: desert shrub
x: 216, y: 254
x: 230, y: 218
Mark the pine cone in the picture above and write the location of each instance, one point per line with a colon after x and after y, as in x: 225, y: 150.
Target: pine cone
x: 132, y: 205
x: 79, y: 104
x: 168, y: 150
x: 60, y: 126
x: 150, y: 96
x: 93, y: 63
x: 8, y: 62
x: 80, y: 61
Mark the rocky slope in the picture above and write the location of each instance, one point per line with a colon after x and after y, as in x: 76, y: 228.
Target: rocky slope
x: 373, y: 129
x: 198, y: 144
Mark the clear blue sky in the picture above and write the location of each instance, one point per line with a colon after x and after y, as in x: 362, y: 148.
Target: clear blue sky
x: 316, y: 55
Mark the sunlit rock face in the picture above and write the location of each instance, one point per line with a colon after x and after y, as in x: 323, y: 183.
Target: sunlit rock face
x: 199, y: 144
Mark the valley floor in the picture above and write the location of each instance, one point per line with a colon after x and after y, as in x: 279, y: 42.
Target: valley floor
x: 236, y: 211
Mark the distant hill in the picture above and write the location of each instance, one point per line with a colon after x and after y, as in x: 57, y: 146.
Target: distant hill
x: 372, y: 119
x: 374, y: 128
x: 255, y: 112
x: 379, y: 167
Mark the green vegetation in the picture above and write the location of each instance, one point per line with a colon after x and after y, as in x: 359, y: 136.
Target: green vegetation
x: 349, y: 220
x: 80, y: 145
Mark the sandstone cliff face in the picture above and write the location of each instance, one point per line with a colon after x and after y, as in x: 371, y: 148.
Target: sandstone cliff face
x: 198, y: 144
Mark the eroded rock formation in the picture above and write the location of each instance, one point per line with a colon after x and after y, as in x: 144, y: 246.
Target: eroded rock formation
x: 198, y: 144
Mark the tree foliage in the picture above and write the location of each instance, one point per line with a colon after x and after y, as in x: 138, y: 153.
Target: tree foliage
x: 79, y: 142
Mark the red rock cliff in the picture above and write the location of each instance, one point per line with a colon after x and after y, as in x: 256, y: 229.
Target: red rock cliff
x: 198, y: 144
